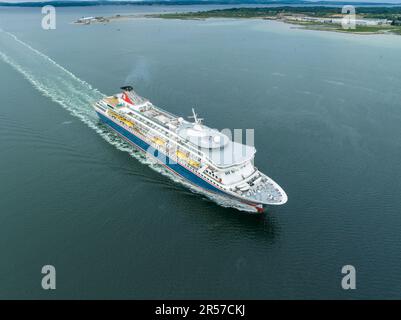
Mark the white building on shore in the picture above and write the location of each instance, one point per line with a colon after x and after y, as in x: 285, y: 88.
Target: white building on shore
x: 358, y: 22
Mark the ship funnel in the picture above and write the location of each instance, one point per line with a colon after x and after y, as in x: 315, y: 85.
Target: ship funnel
x: 130, y: 96
x: 127, y: 88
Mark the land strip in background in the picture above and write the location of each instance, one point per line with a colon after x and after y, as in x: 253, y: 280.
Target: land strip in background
x: 369, y: 20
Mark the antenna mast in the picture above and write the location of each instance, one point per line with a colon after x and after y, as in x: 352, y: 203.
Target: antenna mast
x: 195, y: 117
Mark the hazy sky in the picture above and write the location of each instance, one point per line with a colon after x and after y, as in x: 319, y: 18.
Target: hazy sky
x: 377, y: 1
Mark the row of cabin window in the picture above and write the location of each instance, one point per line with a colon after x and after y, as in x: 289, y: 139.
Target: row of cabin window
x: 211, y: 173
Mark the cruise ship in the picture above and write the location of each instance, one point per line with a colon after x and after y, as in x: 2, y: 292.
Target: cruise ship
x: 204, y: 157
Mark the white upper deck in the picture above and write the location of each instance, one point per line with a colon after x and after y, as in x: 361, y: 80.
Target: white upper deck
x: 218, y: 148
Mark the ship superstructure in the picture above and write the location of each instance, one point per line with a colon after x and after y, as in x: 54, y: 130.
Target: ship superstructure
x: 203, y: 156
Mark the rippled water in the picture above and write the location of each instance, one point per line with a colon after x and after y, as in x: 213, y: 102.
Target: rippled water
x: 325, y: 109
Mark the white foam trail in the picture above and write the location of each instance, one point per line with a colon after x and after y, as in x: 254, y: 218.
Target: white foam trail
x: 77, y: 96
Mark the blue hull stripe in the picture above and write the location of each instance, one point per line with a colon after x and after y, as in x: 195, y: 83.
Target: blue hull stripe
x: 166, y: 161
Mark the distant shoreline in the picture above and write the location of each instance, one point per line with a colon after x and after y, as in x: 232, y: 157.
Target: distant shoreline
x: 369, y: 20
x: 372, y: 20
x: 88, y: 3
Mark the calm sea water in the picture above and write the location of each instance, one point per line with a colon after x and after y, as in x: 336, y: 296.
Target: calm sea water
x: 326, y: 112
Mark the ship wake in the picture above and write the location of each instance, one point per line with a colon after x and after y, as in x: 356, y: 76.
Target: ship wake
x: 77, y: 96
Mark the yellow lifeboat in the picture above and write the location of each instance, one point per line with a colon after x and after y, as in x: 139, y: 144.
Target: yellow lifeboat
x: 128, y: 123
x: 194, y: 163
x: 122, y: 119
x: 181, y: 155
x: 158, y: 141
